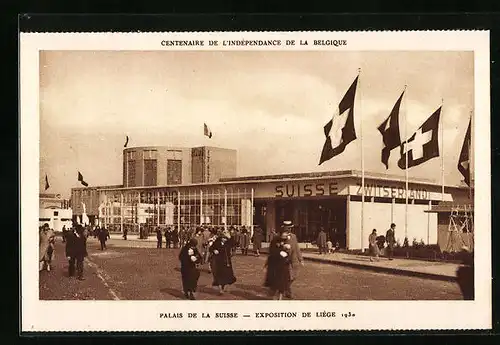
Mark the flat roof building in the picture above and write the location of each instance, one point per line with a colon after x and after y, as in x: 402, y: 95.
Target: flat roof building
x: 332, y: 200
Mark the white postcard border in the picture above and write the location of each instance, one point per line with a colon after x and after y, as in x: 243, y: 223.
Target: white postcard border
x: 144, y: 315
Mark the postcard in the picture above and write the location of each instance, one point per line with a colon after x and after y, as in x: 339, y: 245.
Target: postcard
x: 255, y: 181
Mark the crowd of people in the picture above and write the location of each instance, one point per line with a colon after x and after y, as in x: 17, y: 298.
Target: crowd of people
x: 215, y: 247
x: 171, y: 237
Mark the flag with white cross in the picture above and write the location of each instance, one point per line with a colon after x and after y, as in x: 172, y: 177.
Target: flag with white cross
x: 423, y: 144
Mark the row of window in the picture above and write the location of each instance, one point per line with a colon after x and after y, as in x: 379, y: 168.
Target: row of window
x: 146, y: 154
x: 174, y: 172
x: 151, y: 154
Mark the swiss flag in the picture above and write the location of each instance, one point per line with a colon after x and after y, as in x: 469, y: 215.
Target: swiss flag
x: 340, y: 131
x: 423, y: 144
x: 390, y: 132
x: 464, y: 159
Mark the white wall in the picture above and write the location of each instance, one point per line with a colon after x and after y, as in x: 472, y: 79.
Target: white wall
x: 64, y: 217
x: 421, y: 225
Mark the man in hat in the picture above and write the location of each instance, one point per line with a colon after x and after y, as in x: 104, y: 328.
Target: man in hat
x: 76, y: 251
x: 281, y: 276
x: 390, y: 238
x: 321, y: 241
x: 295, y: 254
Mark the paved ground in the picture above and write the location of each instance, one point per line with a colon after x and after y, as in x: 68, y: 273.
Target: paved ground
x: 412, y: 267
x: 126, y: 271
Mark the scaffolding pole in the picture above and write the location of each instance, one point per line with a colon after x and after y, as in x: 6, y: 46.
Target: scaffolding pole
x: 251, y: 213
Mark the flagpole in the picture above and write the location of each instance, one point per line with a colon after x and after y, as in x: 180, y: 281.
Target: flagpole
x: 469, y: 143
x: 126, y: 168
x: 442, y: 149
x: 362, y: 175
x: 406, y: 167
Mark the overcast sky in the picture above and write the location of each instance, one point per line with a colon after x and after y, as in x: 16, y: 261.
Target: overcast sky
x: 270, y: 106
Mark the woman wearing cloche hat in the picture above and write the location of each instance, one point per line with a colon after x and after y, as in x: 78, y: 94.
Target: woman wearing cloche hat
x: 283, y: 262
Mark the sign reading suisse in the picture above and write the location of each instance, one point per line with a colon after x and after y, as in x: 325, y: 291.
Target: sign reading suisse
x: 306, y: 189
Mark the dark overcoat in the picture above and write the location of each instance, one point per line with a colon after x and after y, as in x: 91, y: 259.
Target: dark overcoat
x: 279, y: 268
x: 76, y: 245
x: 189, y: 270
x: 220, y: 261
x: 321, y: 240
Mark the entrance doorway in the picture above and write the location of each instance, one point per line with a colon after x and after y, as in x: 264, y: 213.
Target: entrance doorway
x: 331, y: 215
x: 310, y: 215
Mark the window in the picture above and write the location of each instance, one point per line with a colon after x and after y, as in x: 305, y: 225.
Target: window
x: 131, y: 174
x: 150, y: 172
x: 149, y: 154
x: 174, y: 171
x: 131, y: 155
x: 56, y: 213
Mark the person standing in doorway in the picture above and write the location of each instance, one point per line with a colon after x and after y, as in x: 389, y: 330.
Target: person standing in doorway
x: 321, y: 241
x: 390, y: 238
x: 159, y: 238
x: 257, y: 238
x: 373, y: 245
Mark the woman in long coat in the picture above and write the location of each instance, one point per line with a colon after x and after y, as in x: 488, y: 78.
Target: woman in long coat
x: 283, y: 262
x: 279, y: 265
x: 374, y: 249
x: 220, y: 261
x: 46, y: 247
x: 258, y: 237
x: 190, y: 258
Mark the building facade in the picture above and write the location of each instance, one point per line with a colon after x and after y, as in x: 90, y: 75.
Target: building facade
x: 330, y: 200
x: 54, y: 211
x: 210, y: 164
x: 166, y: 166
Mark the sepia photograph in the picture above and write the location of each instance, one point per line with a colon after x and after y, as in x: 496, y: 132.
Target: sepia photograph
x: 256, y: 174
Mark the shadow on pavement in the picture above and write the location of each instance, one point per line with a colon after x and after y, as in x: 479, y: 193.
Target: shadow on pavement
x: 173, y: 292
x: 208, y: 289
x: 258, y: 289
x: 247, y: 295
